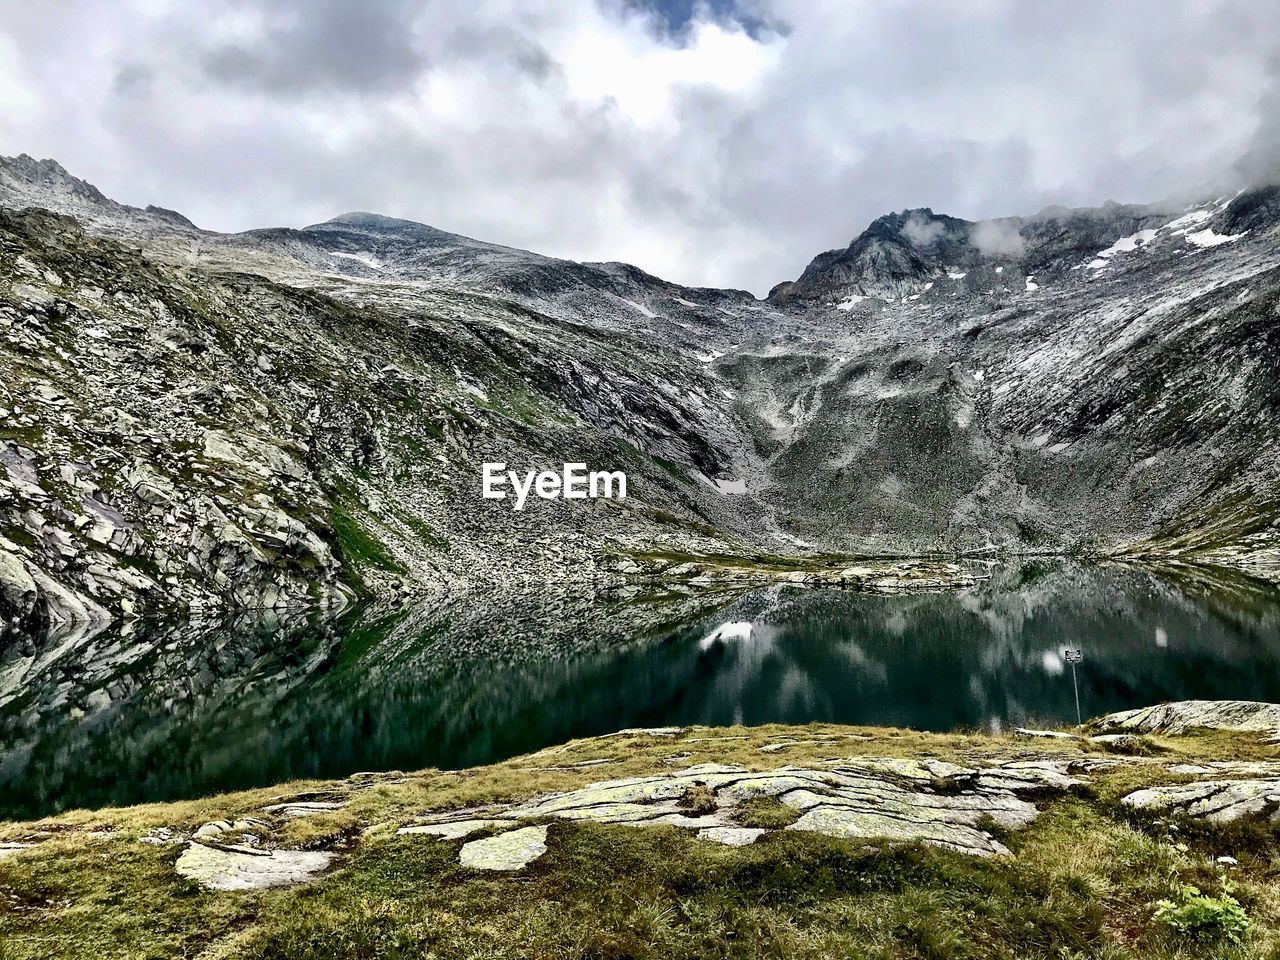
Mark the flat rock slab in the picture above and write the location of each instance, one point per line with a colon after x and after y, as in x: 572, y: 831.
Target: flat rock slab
x: 507, y: 851
x: 1183, y: 716
x: 1229, y: 768
x: 732, y: 836
x: 453, y: 830
x: 13, y: 849
x: 868, y: 824
x: 240, y: 868
x: 304, y: 808
x: 1218, y: 801
x: 925, y: 800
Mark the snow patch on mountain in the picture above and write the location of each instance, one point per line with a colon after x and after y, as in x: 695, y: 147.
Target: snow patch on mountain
x: 1207, y: 238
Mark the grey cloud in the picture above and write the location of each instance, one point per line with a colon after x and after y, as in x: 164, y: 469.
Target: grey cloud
x: 998, y: 238
x: 321, y: 45
x: 1261, y: 162
x: 579, y: 129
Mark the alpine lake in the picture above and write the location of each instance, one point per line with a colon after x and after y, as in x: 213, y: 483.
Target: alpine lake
x: 92, y: 715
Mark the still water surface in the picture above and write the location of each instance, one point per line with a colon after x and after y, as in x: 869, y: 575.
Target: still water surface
x: 172, y: 711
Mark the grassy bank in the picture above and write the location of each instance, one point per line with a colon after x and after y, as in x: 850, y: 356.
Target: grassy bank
x: 1086, y: 879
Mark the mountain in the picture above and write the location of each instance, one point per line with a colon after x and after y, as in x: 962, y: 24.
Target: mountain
x: 195, y: 420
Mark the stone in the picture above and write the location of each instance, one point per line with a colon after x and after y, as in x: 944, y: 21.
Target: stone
x: 212, y: 829
x: 1045, y: 734
x: 507, y: 851
x: 925, y: 800
x: 159, y: 837
x: 244, y: 868
x: 1183, y: 716
x: 17, y: 588
x: 1217, y: 801
x: 13, y: 849
x: 732, y: 836
x: 454, y: 830
x: 872, y: 825
x: 1128, y: 743
x: 303, y: 808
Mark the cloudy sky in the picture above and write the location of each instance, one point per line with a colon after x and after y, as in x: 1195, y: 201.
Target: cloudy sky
x: 721, y: 143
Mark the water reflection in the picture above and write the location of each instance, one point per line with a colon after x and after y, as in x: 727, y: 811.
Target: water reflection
x: 160, y: 712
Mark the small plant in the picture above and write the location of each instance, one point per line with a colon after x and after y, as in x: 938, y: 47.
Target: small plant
x: 767, y: 812
x: 699, y: 800
x: 1202, y: 917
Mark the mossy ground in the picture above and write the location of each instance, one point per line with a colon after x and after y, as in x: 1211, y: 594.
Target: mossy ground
x: 1083, y: 883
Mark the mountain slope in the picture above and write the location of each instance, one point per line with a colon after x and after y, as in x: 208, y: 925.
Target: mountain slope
x: 285, y: 416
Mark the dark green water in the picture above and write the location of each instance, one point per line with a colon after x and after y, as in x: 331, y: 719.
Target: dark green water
x: 171, y: 711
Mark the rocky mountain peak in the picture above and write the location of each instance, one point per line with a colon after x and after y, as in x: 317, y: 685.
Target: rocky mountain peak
x: 34, y: 178
x: 895, y: 250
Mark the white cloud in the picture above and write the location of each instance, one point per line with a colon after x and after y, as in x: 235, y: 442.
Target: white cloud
x: 922, y: 232
x: 998, y: 238
x: 714, y: 155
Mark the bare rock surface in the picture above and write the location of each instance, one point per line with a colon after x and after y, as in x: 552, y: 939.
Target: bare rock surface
x: 870, y: 798
x: 199, y: 421
x: 507, y: 851
x: 454, y: 830
x: 1218, y: 801
x: 1183, y: 716
x: 732, y: 836
x: 245, y: 868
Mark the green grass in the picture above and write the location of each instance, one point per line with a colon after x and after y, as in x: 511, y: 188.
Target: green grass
x: 1086, y: 881
x: 358, y: 544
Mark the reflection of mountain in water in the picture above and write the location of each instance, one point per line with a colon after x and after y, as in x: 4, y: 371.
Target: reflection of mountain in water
x: 192, y: 709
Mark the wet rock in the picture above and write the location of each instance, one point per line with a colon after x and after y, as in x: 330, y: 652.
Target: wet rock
x: 17, y: 589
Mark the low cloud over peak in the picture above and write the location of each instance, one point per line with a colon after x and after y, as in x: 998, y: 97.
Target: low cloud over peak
x: 712, y: 143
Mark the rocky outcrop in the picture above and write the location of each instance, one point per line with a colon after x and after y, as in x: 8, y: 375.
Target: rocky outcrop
x: 1217, y: 801
x: 506, y: 851
x: 1185, y: 716
x: 905, y: 800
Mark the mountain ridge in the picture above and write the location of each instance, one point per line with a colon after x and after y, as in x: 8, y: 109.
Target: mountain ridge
x: 286, y: 417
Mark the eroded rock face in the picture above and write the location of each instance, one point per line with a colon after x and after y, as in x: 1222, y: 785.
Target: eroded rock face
x: 1217, y: 801
x: 868, y: 798
x: 1244, y: 716
x: 244, y: 868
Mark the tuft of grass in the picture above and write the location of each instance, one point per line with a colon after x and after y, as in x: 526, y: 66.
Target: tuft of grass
x: 699, y: 800
x: 767, y: 812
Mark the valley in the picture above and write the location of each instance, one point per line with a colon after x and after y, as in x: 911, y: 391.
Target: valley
x: 298, y: 418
